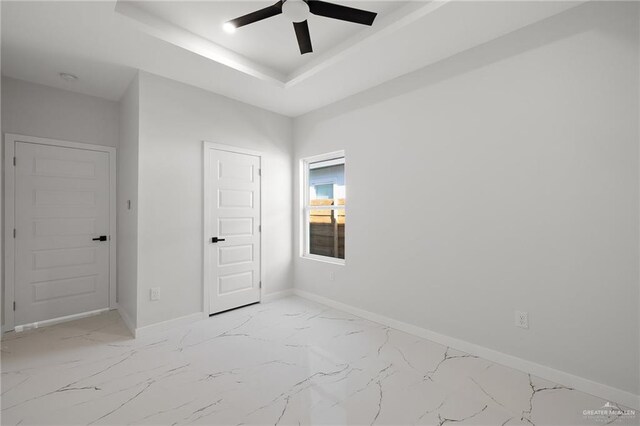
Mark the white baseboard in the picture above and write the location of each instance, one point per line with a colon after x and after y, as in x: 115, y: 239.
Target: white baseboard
x: 54, y: 321
x: 127, y: 320
x: 566, y: 379
x: 187, y: 319
x: 277, y: 295
x: 166, y: 325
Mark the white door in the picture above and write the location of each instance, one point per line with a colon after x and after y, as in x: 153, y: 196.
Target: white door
x: 61, y: 213
x: 232, y: 227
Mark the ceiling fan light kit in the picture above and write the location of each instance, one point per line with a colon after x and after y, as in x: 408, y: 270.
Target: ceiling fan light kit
x: 229, y: 27
x: 298, y: 11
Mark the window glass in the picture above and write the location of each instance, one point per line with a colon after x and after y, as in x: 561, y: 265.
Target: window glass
x: 324, y: 210
x: 324, y: 192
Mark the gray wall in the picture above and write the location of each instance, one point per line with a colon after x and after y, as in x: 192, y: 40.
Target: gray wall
x: 510, y: 182
x: 36, y: 110
x: 174, y: 120
x: 128, y: 190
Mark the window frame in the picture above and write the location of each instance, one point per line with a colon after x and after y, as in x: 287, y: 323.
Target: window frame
x: 306, y: 208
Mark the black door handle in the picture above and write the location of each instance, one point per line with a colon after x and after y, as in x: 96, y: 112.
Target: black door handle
x: 100, y: 238
x: 216, y: 239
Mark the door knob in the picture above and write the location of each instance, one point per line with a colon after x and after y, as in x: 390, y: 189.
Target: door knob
x: 100, y: 238
x: 216, y: 239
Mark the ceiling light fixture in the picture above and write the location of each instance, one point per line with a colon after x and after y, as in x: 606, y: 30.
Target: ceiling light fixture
x: 68, y: 77
x: 296, y: 10
x: 229, y: 27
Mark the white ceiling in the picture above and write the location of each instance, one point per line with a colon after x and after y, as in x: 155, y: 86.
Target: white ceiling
x: 270, y: 42
x: 260, y: 66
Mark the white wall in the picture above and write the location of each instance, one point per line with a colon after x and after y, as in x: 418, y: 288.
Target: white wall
x: 1, y: 205
x: 36, y: 110
x: 174, y: 120
x: 506, y: 178
x: 128, y: 217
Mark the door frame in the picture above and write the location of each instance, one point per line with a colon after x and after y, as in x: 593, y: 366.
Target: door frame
x: 10, y: 140
x: 207, y: 205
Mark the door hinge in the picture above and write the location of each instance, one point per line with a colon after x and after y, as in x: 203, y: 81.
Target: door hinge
x: 14, y: 161
x: 259, y: 228
x: 260, y: 284
x: 14, y: 306
x: 259, y: 172
x: 14, y: 232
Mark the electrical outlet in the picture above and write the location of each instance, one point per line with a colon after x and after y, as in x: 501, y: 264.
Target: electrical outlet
x: 522, y: 319
x: 154, y: 294
x: 332, y: 276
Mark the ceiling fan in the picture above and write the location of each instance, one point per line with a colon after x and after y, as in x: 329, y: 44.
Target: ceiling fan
x: 298, y: 11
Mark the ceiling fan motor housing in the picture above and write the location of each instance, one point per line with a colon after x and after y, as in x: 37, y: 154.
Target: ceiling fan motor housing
x: 296, y: 10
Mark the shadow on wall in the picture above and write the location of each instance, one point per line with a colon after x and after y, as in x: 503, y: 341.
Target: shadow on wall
x: 574, y: 21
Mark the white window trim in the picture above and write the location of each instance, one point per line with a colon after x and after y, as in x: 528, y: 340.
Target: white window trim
x: 305, y: 207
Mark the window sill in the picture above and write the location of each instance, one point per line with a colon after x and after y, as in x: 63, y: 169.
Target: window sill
x: 324, y: 259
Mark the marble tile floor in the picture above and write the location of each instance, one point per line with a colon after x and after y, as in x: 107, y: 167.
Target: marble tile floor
x: 291, y: 361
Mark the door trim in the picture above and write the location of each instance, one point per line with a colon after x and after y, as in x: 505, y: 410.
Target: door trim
x: 208, y: 203
x: 10, y: 141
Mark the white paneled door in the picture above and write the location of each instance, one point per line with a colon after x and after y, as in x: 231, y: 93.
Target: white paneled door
x: 62, y: 232
x: 232, y: 228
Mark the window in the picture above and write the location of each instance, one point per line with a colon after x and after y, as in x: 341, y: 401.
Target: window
x: 323, y: 191
x: 324, y: 207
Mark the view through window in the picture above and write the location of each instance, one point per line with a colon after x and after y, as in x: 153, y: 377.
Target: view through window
x: 324, y: 212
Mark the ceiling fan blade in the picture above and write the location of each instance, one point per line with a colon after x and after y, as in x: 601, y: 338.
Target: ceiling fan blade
x: 303, y: 36
x: 258, y: 15
x: 344, y: 13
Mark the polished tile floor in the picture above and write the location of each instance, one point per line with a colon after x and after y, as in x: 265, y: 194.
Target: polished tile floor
x: 287, y: 362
